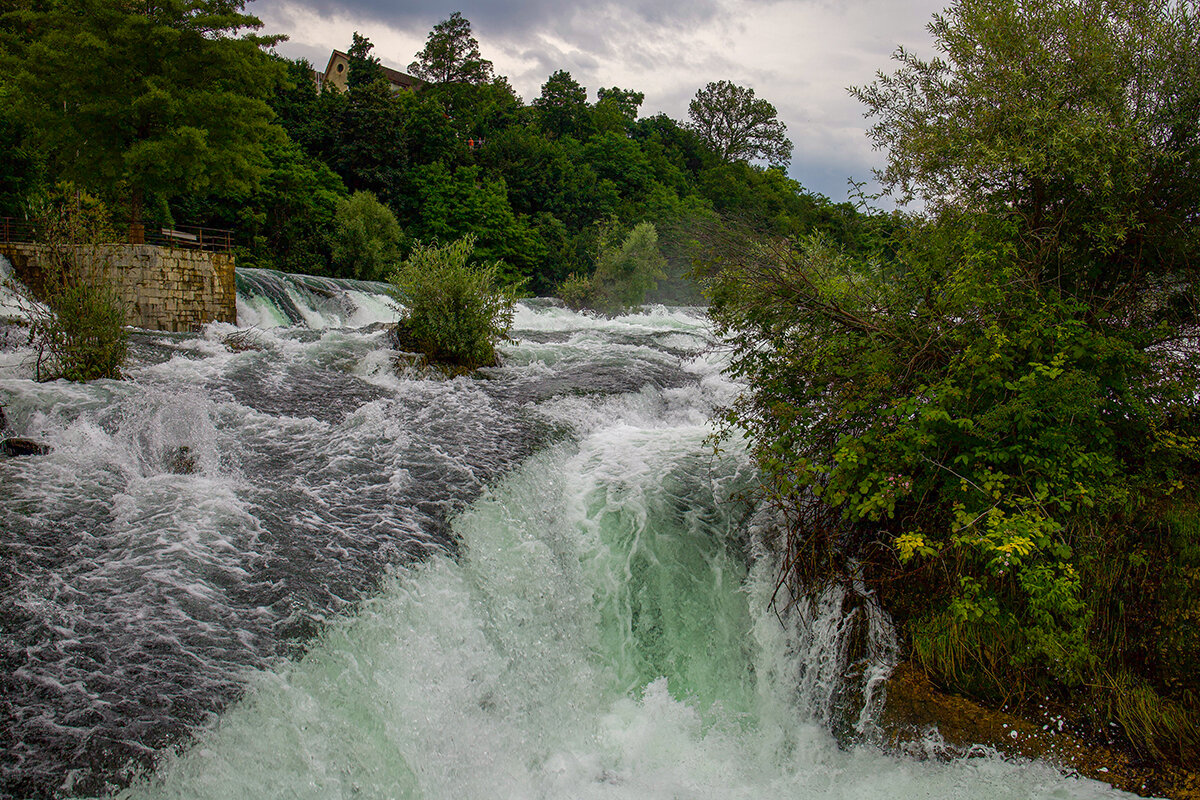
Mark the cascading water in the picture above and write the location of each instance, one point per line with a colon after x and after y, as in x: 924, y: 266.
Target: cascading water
x: 539, y: 583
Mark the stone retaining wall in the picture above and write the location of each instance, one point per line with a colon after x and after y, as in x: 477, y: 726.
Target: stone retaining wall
x: 164, y: 288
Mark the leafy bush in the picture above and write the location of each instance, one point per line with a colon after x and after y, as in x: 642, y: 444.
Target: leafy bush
x: 577, y: 292
x: 624, y: 273
x: 78, y: 328
x: 366, y: 238
x: 452, y: 311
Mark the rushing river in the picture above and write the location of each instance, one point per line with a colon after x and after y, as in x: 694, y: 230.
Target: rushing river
x: 357, y: 583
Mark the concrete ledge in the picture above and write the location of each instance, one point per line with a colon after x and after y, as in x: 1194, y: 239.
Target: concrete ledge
x: 163, y: 288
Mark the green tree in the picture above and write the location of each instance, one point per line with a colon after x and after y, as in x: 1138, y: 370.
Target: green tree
x: 465, y: 202
x: 162, y: 99
x: 364, y: 67
x: 617, y: 109
x: 283, y: 224
x: 366, y: 238
x: 562, y: 107
x: 625, y: 272
x: 21, y: 169
x: 451, y: 55
x: 1089, y: 142
x: 371, y: 151
x: 739, y: 126
x: 477, y: 110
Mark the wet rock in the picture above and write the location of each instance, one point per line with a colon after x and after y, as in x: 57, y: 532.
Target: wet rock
x: 182, y: 461
x: 921, y: 721
x: 243, y: 340
x: 16, y: 446
x: 3, y: 421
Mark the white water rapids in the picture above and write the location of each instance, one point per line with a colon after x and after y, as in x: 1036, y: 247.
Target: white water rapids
x: 538, y: 583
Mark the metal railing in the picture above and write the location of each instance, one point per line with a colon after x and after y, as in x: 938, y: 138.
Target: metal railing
x: 191, y: 237
x: 13, y: 229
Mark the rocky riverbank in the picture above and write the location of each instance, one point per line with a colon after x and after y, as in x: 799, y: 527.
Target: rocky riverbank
x: 922, y: 721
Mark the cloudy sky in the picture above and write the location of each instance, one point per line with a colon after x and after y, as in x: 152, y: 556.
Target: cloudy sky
x: 799, y: 54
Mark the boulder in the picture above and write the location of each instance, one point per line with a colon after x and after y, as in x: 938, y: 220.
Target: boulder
x: 182, y: 462
x: 16, y: 446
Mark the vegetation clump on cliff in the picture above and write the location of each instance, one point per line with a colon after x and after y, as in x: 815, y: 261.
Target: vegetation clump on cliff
x: 995, y: 411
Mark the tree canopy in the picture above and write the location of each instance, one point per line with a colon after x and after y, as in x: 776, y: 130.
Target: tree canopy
x: 451, y: 55
x: 1088, y: 140
x: 164, y: 98
x: 738, y: 126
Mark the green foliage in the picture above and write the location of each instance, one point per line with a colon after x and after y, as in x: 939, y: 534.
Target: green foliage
x: 21, y: 169
x: 364, y: 67
x: 624, y: 272
x: 577, y: 292
x: 1078, y: 121
x: 165, y: 108
x: 79, y: 329
x: 366, y: 238
x: 738, y: 126
x: 464, y: 203
x: 285, y: 223
x: 86, y: 339
x: 452, y: 311
x: 562, y: 108
x: 616, y: 109
x: 162, y: 99
x: 993, y: 410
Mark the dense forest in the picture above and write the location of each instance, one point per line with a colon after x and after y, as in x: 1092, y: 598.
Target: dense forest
x: 217, y: 131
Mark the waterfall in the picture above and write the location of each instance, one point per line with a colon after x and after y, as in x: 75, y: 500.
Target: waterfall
x: 268, y: 299
x: 541, y: 581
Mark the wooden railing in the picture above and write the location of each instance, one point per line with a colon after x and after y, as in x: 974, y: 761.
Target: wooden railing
x: 219, y: 240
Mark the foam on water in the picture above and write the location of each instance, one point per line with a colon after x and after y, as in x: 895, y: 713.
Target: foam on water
x: 598, y: 637
x: 271, y: 299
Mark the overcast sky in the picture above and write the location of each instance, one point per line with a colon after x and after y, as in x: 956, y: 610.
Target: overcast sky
x: 798, y: 54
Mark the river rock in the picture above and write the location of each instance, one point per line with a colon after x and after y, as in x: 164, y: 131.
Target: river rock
x: 16, y: 446
x: 182, y: 462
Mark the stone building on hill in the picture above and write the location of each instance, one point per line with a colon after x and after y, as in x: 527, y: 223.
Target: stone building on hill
x: 338, y: 69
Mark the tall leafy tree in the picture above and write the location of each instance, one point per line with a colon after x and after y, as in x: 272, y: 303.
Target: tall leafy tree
x: 739, y: 126
x: 617, y: 109
x: 160, y: 98
x: 1089, y: 141
x: 451, y: 55
x: 364, y: 67
x: 562, y: 108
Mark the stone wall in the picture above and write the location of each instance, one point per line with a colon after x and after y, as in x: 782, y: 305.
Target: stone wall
x: 164, y: 288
